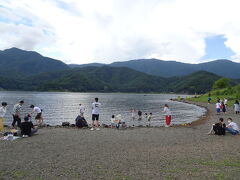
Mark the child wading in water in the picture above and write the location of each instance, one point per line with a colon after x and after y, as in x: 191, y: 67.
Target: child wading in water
x: 168, y: 115
x: 133, y: 116
x: 113, y: 120
x: 149, y: 118
x: 139, y: 117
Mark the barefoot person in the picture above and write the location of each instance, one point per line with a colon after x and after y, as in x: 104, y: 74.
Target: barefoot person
x: 232, y: 127
x: 16, y: 114
x: 218, y: 128
x: 3, y: 110
x: 38, y: 118
x: 95, y: 114
x: 168, y: 115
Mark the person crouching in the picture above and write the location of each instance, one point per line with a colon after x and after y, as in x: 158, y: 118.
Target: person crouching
x: 27, y: 128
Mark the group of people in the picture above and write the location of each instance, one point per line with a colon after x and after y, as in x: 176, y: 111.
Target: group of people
x: 221, y: 105
x: 116, y: 120
x: 26, y: 126
x: 220, y: 128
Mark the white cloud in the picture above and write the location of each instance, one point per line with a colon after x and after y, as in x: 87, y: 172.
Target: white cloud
x: 79, y: 31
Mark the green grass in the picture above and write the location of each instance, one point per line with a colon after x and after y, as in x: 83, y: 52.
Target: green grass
x: 231, y: 93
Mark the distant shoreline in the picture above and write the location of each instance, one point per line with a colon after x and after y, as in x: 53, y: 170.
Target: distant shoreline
x: 147, y: 93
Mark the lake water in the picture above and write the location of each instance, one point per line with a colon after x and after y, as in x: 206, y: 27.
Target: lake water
x: 60, y: 106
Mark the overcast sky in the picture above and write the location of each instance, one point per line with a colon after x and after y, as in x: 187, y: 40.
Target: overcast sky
x: 84, y: 31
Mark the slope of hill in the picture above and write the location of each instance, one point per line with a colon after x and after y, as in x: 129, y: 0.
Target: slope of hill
x: 198, y: 82
x: 110, y: 79
x: 225, y: 68
x: 16, y: 62
x: 101, y: 79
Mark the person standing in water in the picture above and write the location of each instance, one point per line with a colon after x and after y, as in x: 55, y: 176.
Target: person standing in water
x: 38, y: 118
x: 168, y: 115
x: 149, y: 118
x: 17, y: 116
x: 82, y: 110
x: 95, y: 114
x: 133, y: 116
x: 3, y: 110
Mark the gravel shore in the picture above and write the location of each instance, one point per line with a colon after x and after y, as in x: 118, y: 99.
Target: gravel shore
x: 184, y: 152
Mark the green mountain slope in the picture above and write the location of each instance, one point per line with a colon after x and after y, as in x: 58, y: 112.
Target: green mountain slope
x: 109, y: 79
x: 19, y: 63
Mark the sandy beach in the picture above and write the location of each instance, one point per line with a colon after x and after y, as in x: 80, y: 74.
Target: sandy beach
x: 184, y: 152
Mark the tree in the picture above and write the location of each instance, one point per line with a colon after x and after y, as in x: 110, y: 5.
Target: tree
x: 221, y: 83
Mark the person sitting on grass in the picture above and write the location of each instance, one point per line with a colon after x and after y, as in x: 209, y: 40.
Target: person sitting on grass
x: 218, y: 128
x: 27, y: 128
x: 232, y: 127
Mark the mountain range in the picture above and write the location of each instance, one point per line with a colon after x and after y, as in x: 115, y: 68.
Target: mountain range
x: 28, y: 70
x: 156, y: 67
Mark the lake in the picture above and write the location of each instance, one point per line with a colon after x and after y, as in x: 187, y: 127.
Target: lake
x: 64, y: 106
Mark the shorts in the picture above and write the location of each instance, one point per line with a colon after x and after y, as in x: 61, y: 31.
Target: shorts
x: 218, y: 110
x: 38, y: 116
x: 95, y: 117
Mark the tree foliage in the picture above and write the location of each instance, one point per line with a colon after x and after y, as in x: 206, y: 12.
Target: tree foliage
x: 221, y: 83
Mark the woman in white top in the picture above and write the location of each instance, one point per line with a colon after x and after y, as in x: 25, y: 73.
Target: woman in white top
x: 236, y: 107
x: 168, y: 115
x: 3, y: 111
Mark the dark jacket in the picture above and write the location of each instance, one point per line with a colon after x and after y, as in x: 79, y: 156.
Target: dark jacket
x: 81, y: 122
x: 26, y: 128
x: 219, y: 128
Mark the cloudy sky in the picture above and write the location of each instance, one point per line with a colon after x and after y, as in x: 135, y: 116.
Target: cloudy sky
x: 84, y: 31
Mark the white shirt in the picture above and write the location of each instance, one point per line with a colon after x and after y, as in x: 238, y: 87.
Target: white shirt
x: 96, y: 107
x: 149, y: 117
x: 82, y: 109
x: 37, y: 109
x: 236, y: 107
x: 17, y: 108
x: 112, y: 120
x: 225, y: 101
x: 3, y: 111
x: 218, y: 105
x: 234, y: 126
x: 133, y: 114
x: 167, y: 111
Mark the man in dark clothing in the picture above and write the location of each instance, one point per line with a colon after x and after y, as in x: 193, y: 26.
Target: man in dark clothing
x: 27, y: 128
x: 218, y: 128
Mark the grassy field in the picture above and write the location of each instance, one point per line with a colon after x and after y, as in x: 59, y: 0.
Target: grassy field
x: 231, y: 93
